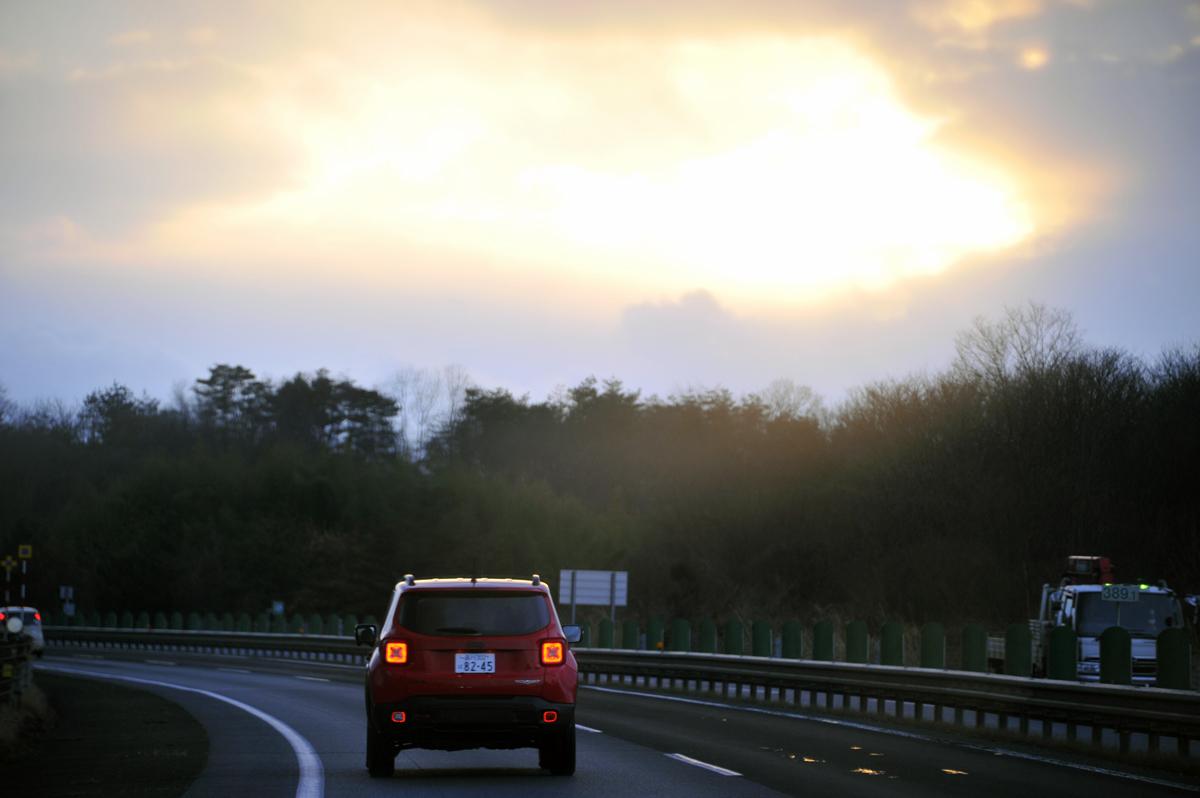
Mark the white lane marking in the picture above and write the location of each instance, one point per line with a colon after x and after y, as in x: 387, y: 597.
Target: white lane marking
x: 714, y: 768
x: 581, y: 727
x: 1047, y: 760
x: 312, y: 678
x: 312, y: 773
x: 158, y: 662
x: 234, y: 670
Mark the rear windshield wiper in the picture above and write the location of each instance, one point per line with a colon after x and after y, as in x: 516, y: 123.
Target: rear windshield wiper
x: 457, y: 630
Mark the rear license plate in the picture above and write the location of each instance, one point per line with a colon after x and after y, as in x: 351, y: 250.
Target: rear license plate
x: 474, y: 663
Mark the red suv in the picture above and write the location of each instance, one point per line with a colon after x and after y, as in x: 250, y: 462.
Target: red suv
x: 470, y: 663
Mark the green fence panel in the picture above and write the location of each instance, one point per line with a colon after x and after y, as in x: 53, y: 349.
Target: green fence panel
x: 891, y: 644
x: 1174, y: 659
x: 630, y: 632
x: 1018, y: 650
x: 858, y: 642
x: 656, y: 634
x: 822, y: 644
x: 194, y: 623
x: 332, y: 623
x: 735, y: 637
x: 211, y: 622
x: 110, y: 620
x: 244, y: 623
x: 793, y: 640
x: 707, y: 634
x: 142, y: 621
x: 279, y: 624
x: 933, y: 645
x: 297, y: 624
x: 681, y: 635
x: 605, y: 636
x: 1062, y: 650
x: 228, y: 624
x: 176, y: 620
x: 974, y: 648
x: 369, y: 618
x: 348, y: 623
x: 760, y: 639
x: 1116, y: 656
x: 160, y: 621
x: 316, y: 625
x: 585, y: 635
x: 126, y: 620
x: 262, y: 622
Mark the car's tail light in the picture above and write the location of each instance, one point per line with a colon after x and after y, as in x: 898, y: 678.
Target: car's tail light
x: 395, y: 653
x: 37, y: 616
x: 549, y: 716
x: 553, y: 652
x: 399, y: 717
x: 2, y: 616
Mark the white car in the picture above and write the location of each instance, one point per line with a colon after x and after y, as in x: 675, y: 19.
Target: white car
x: 32, y: 624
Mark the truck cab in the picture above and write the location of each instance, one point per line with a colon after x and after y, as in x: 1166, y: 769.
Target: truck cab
x: 1143, y: 610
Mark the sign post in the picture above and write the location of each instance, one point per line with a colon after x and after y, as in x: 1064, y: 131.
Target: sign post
x: 24, y: 554
x: 595, y: 589
x: 8, y: 564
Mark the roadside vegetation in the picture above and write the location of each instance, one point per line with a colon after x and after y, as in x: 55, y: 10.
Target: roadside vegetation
x: 944, y: 497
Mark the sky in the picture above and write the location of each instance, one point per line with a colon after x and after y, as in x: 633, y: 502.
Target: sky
x: 676, y: 194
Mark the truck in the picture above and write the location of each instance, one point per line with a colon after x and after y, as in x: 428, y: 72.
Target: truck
x: 1088, y: 599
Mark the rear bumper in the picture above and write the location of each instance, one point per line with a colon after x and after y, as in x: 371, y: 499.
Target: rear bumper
x: 451, y: 723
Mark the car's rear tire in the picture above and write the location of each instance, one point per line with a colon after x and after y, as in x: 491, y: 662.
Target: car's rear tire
x: 557, y: 754
x: 381, y: 755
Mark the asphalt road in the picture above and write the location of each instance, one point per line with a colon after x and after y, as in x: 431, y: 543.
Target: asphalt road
x: 297, y: 729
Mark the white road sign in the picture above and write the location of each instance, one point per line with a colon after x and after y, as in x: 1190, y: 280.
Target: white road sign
x: 593, y: 588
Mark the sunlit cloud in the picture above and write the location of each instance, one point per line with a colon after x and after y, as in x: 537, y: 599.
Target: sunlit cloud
x: 130, y: 38
x: 1034, y: 58
x: 760, y: 167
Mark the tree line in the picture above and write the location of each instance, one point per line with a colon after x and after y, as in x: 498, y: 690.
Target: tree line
x: 948, y: 497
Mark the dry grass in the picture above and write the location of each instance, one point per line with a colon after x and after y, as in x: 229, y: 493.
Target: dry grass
x: 16, y: 723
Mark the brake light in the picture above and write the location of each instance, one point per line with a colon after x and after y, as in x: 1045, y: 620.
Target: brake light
x: 37, y: 616
x: 396, y: 653
x: 549, y: 716
x: 553, y: 652
x: 2, y: 616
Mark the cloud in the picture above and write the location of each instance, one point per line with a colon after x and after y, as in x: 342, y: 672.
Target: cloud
x: 130, y: 38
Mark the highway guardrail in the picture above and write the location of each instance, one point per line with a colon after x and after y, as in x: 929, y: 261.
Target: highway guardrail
x: 1039, y: 709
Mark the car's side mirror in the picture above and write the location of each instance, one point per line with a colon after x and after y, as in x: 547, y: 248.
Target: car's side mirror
x: 365, y: 634
x: 572, y: 633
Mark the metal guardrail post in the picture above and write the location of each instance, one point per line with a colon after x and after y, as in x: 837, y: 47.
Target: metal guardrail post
x: 822, y: 647
x: 858, y: 642
x: 734, y: 637
x: 1018, y: 650
x: 681, y: 635
x: 933, y: 645
x: 760, y: 639
x: 793, y: 640
x: 974, y: 648
x: 1062, y: 652
x: 891, y: 644
x: 1116, y: 656
x: 1174, y: 651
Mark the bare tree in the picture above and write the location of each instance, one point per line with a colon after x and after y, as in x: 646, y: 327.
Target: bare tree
x: 1025, y: 341
x: 428, y: 400
x: 785, y: 398
x: 8, y: 408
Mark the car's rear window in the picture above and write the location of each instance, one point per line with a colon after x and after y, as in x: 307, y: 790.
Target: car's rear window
x: 473, y: 612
